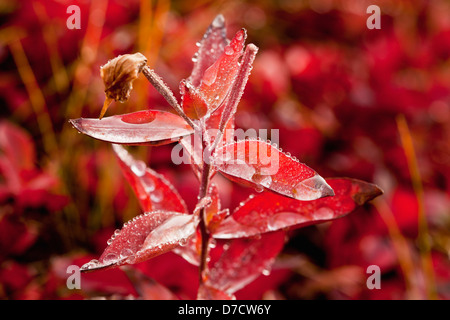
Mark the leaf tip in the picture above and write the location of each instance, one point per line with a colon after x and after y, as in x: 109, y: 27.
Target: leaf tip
x: 219, y: 21
x: 76, y: 123
x: 367, y: 191
x: 313, y: 188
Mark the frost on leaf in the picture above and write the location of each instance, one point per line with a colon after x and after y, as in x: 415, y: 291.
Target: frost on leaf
x: 216, y: 66
x: 193, y: 102
x: 206, y: 292
x: 268, y: 211
x: 219, y: 77
x: 150, y: 127
x: 243, y: 260
x: 210, y: 49
x: 146, y: 236
x: 154, y: 192
x: 233, y: 99
x: 190, y: 250
x: 260, y: 165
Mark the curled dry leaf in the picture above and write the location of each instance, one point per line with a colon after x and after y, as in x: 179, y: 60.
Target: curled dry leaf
x: 118, y: 76
x: 154, y: 192
x: 144, y: 237
x: 260, y: 165
x: 268, y: 211
x: 149, y: 127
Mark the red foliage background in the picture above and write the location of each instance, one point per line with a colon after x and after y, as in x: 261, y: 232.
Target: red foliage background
x: 336, y: 90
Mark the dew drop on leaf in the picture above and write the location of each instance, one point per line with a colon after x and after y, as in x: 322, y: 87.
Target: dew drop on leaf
x: 266, y: 272
x: 110, y: 258
x: 138, y: 167
x: 91, y: 265
x: 183, y: 242
x: 148, y: 183
x: 210, y: 74
x: 156, y: 196
x: 259, y: 188
x: 229, y: 50
x: 125, y: 253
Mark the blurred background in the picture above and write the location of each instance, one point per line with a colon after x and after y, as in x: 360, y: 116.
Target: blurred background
x: 372, y: 104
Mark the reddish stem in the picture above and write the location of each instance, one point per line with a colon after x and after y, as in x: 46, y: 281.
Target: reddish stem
x: 204, y: 184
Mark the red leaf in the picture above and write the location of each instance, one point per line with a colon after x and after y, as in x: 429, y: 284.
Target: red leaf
x: 193, y: 103
x: 206, y: 292
x: 149, y: 127
x: 192, y: 146
x: 230, y: 105
x: 260, y: 165
x: 210, y: 49
x: 243, y: 261
x: 148, y: 288
x: 154, y: 192
x: 219, y: 77
x: 212, y: 126
x: 146, y: 236
x: 190, y: 251
x: 17, y: 146
x: 268, y: 211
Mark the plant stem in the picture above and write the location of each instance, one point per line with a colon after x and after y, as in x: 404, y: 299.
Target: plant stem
x: 165, y: 91
x: 205, y: 237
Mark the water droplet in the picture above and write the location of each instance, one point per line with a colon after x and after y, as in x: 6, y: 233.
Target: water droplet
x: 148, y: 184
x: 259, y: 188
x: 312, y: 188
x: 116, y: 232
x: 138, y: 168
x: 198, y: 44
x: 218, y: 22
x: 131, y: 259
x: 156, y: 196
x: 262, y: 181
x: 90, y: 265
x: 266, y: 272
x: 125, y: 253
x: 182, y: 242
x: 229, y: 50
x: 109, y: 241
x: 210, y: 75
x: 110, y: 258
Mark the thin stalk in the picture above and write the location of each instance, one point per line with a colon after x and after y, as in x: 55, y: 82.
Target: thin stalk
x: 165, y: 91
x: 423, y: 236
x: 204, y: 184
x: 401, y: 247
